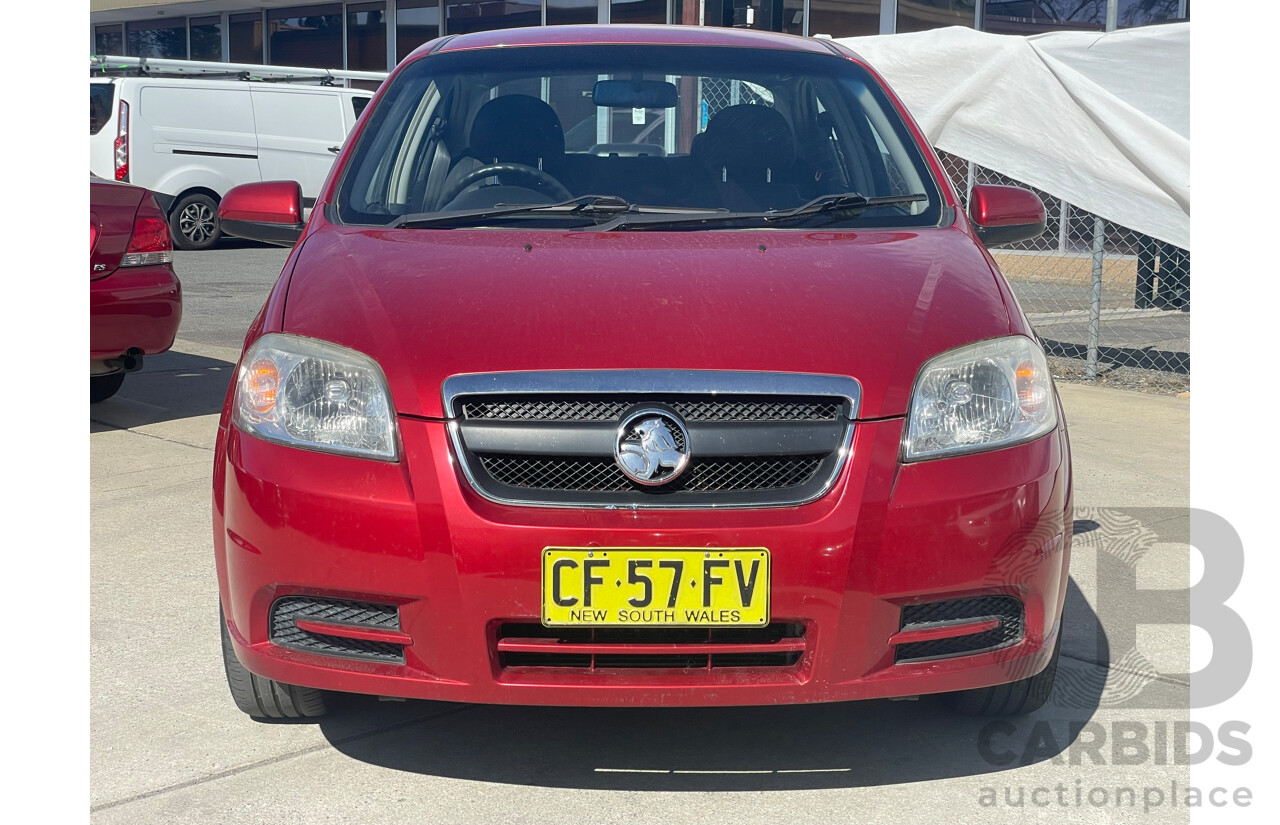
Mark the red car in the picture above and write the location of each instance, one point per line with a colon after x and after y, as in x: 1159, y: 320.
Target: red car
x: 753, y: 419
x: 135, y: 300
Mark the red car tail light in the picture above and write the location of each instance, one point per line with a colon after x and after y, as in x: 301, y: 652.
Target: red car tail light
x: 122, y: 143
x: 93, y: 236
x: 150, y: 243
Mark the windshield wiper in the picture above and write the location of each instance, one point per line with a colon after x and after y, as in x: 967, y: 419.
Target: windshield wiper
x: 844, y: 202
x: 834, y: 204
x: 606, y: 206
x: 612, y: 212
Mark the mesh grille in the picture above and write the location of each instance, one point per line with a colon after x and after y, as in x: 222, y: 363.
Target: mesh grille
x: 603, y: 475
x: 285, y: 633
x: 767, y: 473
x: 551, y: 408
x: 919, y: 616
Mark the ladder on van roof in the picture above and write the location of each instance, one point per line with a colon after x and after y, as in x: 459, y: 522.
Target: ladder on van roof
x: 118, y: 66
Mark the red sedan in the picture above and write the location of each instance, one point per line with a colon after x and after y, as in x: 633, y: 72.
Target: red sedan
x: 135, y: 300
x: 746, y: 417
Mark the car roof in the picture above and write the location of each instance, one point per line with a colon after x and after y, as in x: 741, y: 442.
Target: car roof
x: 637, y: 34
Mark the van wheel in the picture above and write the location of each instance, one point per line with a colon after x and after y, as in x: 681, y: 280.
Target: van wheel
x: 1013, y: 699
x: 102, y: 387
x: 266, y: 698
x: 194, y: 222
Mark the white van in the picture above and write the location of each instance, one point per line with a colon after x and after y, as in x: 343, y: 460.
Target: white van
x: 191, y: 140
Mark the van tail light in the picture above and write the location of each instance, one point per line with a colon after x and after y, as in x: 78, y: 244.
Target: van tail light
x: 150, y: 244
x: 122, y: 143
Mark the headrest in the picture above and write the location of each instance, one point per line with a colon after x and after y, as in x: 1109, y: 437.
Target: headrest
x: 746, y: 136
x: 516, y: 129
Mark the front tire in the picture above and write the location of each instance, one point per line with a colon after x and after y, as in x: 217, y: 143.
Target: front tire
x: 1012, y: 699
x: 194, y: 222
x: 102, y: 387
x: 266, y: 698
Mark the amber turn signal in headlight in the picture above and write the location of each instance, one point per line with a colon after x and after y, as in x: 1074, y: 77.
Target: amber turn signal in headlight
x: 978, y: 397
x: 316, y: 395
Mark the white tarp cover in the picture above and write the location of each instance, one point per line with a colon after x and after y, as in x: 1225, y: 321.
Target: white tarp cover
x: 1100, y: 120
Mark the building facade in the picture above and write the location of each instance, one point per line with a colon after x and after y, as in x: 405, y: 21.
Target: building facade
x: 374, y: 35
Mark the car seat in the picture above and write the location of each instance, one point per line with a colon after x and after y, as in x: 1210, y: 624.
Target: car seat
x: 517, y: 129
x: 748, y: 151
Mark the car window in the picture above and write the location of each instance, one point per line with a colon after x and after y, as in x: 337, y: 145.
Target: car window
x: 358, y: 103
x: 739, y: 130
x: 101, y: 96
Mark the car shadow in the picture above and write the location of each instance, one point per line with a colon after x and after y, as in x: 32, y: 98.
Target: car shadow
x: 170, y: 386
x: 229, y: 242
x: 798, y: 747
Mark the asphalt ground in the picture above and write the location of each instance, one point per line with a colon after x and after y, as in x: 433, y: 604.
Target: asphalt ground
x: 169, y: 746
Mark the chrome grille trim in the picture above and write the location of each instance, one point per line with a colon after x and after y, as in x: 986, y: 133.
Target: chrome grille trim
x: 675, y: 382
x: 668, y: 384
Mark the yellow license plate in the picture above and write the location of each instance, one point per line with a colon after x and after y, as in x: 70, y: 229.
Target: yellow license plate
x: 654, y: 587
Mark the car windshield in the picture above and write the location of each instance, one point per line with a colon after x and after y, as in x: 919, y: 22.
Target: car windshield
x: 720, y: 132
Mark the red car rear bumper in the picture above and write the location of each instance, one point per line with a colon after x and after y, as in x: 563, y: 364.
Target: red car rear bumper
x: 414, y: 535
x: 134, y: 308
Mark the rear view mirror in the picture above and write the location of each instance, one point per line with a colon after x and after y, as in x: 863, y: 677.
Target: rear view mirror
x: 270, y: 212
x: 635, y: 94
x: 1006, y: 214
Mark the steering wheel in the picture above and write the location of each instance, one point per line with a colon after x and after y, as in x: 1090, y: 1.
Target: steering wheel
x: 536, y: 176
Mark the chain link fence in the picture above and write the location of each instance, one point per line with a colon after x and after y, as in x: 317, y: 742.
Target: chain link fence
x: 716, y: 93
x: 1102, y: 297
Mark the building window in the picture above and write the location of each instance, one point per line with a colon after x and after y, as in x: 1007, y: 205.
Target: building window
x: 793, y: 16
x: 1150, y: 12
x: 844, y: 18
x: 108, y: 39
x: 206, y: 38
x: 417, y: 21
x: 1039, y: 16
x: 638, y: 11
x: 246, y: 37
x: 569, y: 12
x: 464, y: 16
x: 162, y: 38
x: 367, y: 37
x: 773, y: 15
x: 922, y: 15
x: 305, y: 36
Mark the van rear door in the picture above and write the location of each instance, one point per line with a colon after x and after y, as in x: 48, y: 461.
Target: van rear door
x: 296, y: 129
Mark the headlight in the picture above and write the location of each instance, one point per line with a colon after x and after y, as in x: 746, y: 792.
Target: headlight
x: 308, y: 393
x: 979, y: 397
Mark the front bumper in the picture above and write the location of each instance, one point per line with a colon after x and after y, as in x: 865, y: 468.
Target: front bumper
x: 414, y: 535
x: 134, y: 308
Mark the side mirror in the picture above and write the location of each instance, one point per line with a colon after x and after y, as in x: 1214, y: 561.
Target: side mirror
x: 1005, y: 214
x: 270, y: 212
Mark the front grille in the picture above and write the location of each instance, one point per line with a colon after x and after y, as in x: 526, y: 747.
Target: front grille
x: 1007, y: 609
x: 569, y: 408
x: 286, y: 611
x: 602, y: 474
x: 767, y: 448
x: 778, y: 645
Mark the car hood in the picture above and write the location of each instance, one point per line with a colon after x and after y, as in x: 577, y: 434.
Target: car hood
x: 428, y: 304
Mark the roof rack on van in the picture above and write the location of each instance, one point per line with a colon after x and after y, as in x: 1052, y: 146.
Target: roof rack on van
x: 117, y: 65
